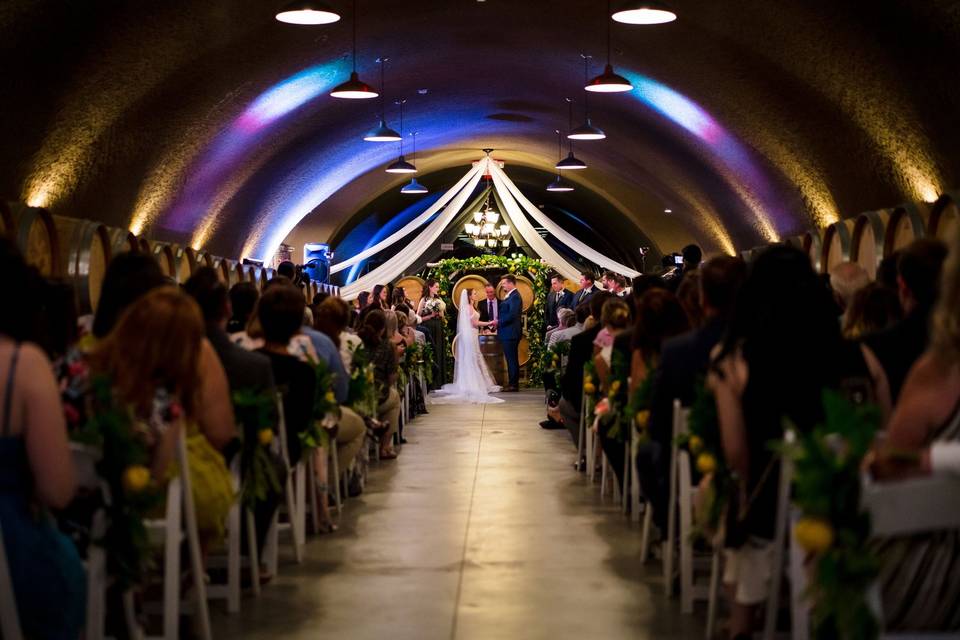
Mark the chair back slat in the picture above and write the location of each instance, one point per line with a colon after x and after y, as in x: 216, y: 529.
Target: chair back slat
x: 917, y: 505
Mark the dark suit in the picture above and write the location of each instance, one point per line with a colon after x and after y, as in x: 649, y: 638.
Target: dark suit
x: 898, y: 347
x: 683, y: 360
x: 509, y: 332
x: 484, y: 308
x: 583, y: 295
x: 571, y: 384
x: 555, y: 303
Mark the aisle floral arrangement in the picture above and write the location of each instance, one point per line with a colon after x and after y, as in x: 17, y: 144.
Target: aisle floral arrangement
x: 256, y: 413
x: 833, y: 529
x: 362, y: 389
x: 521, y: 265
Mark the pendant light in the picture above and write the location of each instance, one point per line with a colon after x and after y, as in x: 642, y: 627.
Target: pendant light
x: 307, y: 12
x: 559, y: 184
x: 382, y: 133
x: 571, y: 162
x: 401, y: 165
x: 586, y: 131
x: 354, y: 88
x: 644, y: 13
x: 608, y: 81
x: 414, y: 187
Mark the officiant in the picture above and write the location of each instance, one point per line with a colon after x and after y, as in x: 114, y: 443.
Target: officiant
x: 487, y: 307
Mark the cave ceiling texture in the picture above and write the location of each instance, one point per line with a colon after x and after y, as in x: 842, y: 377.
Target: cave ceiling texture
x: 209, y: 123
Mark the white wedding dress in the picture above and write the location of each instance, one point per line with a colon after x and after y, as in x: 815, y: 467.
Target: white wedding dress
x: 472, y: 381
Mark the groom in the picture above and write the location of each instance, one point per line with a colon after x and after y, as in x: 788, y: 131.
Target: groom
x: 508, y: 330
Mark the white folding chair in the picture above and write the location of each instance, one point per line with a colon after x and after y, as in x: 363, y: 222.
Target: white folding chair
x: 180, y: 520
x: 783, y: 516
x: 85, y: 461
x: 680, y: 416
x: 295, y: 521
x: 582, y: 438
x: 238, y: 518
x: 9, y: 618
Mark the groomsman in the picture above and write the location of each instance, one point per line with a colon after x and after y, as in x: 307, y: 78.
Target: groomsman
x: 615, y: 283
x: 558, y: 298
x: 509, y: 330
x: 586, y: 289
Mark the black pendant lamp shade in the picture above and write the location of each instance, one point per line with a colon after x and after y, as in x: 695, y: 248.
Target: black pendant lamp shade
x: 354, y: 88
x: 608, y: 81
x: 559, y: 184
x: 307, y: 12
x: 587, y: 131
x: 414, y: 188
x: 644, y: 13
x: 382, y: 133
x: 401, y: 166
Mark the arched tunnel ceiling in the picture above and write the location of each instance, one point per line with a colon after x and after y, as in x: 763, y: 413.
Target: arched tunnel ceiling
x: 209, y: 122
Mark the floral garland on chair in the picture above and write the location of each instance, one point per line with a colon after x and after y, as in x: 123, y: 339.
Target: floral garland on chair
x: 539, y: 274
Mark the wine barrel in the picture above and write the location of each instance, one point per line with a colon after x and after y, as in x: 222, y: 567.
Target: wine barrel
x: 867, y: 245
x: 223, y: 268
x: 86, y: 248
x: 183, y: 263
x: 239, y: 274
x: 811, y: 244
x: 904, y: 226
x: 836, y: 244
x: 145, y: 245
x: 524, y: 288
x: 122, y: 240
x: 266, y: 275
x: 471, y: 281
x: 164, y: 254
x: 256, y: 275
x: 36, y: 235
x: 413, y: 288
x: 945, y: 217
x: 492, y: 352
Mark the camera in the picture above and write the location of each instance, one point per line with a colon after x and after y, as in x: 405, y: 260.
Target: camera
x: 678, y: 260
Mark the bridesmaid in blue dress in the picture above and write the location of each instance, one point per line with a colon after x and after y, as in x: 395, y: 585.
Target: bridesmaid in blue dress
x: 36, y: 472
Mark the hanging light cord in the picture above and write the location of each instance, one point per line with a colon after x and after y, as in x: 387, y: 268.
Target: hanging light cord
x: 586, y: 81
x: 383, y: 104
x: 400, y: 102
x: 354, y: 36
x: 570, y: 125
x: 608, y: 30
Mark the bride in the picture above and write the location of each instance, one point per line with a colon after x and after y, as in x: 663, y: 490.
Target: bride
x: 472, y: 381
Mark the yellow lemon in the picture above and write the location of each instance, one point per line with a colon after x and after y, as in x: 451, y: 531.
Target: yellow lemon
x: 330, y: 397
x: 369, y: 376
x: 265, y: 436
x: 614, y: 386
x: 587, y: 379
x: 696, y: 444
x: 136, y: 478
x: 815, y: 535
x: 642, y: 418
x: 589, y: 389
x: 706, y: 463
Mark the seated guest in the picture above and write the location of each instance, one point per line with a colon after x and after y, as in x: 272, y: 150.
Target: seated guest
x: 36, y: 469
x: 580, y: 315
x: 689, y: 295
x: 251, y: 338
x: 918, y: 283
x: 917, y: 596
x: 128, y: 276
x: 333, y: 314
x: 783, y: 347
x: 379, y: 297
x: 640, y: 285
x: 404, y: 329
x: 175, y: 388
x: 280, y: 314
x: 363, y: 300
x: 683, y: 359
x: 614, y: 318
x: 383, y: 356
x: 874, y: 308
x: 846, y: 279
x: 566, y: 318
x: 571, y: 383
x: 243, y: 303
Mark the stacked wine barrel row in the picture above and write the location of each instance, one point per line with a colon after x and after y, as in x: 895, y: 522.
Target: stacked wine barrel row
x: 78, y: 251
x: 873, y: 235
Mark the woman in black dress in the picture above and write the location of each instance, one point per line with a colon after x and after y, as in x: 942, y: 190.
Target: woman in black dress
x: 431, y: 311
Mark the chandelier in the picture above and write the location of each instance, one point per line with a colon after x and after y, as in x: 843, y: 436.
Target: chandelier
x: 484, y: 230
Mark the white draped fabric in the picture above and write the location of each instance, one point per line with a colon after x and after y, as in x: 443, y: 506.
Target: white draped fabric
x: 526, y: 230
x: 555, y: 230
x: 395, y: 266
x: 410, y: 226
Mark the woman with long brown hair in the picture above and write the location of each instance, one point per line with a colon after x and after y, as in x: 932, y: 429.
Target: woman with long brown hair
x: 160, y: 367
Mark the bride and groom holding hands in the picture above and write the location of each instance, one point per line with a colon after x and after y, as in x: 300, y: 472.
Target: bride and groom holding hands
x: 472, y: 380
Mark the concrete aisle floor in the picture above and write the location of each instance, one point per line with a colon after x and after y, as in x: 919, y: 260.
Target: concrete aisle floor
x: 480, y: 530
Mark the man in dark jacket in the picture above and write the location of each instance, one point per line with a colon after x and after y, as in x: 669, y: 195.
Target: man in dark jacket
x: 558, y: 298
x: 918, y: 284
x: 683, y: 360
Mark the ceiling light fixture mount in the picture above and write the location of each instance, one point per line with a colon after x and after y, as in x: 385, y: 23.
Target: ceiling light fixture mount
x: 354, y: 88
x: 586, y: 131
x: 307, y: 12
x: 608, y: 81
x: 644, y: 13
x: 382, y: 133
